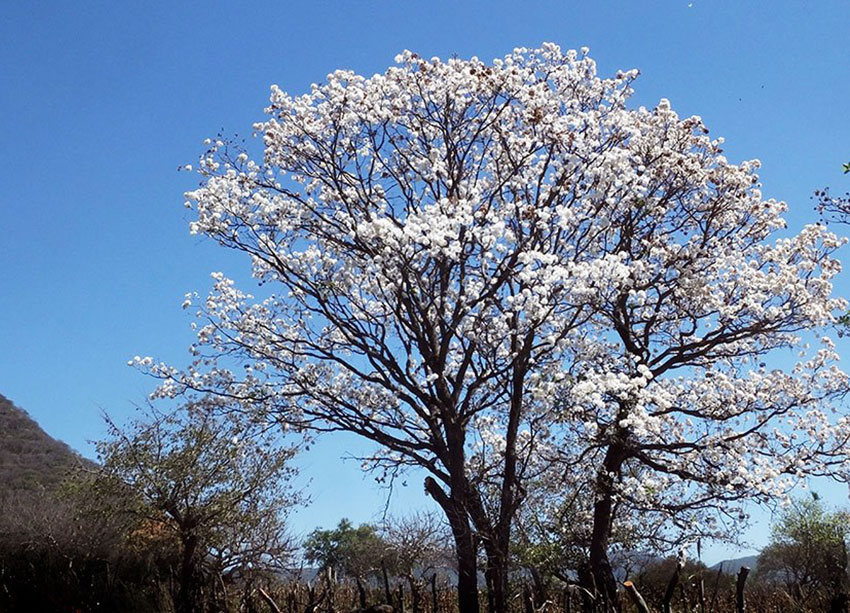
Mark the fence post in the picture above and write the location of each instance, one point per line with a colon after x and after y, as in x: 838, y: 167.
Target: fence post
x: 640, y: 603
x: 739, y: 589
x: 435, y: 603
x: 387, y: 592
x: 671, y: 586
x: 400, y: 591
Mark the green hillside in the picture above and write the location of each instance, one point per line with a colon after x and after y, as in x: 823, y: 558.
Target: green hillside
x: 30, y: 459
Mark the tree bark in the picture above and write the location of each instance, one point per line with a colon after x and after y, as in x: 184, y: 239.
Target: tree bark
x: 541, y: 594
x: 188, y: 576
x: 605, y: 586
x: 497, y: 578
x: 465, y: 548
x: 499, y: 536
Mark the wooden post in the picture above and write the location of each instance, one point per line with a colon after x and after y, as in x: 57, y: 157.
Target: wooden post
x: 640, y: 603
x: 740, y: 602
x: 671, y: 587
x: 361, y: 593
x: 528, y: 603
x: 269, y: 601
x: 435, y: 604
x: 415, y: 596
x: 387, y: 593
x: 400, y: 598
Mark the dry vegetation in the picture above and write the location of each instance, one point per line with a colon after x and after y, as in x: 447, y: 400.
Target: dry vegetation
x: 57, y: 554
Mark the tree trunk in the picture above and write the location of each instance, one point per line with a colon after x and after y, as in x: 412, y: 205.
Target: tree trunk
x: 400, y: 591
x: 497, y: 578
x: 604, y: 584
x: 467, y: 570
x: 498, y: 544
x: 188, y: 576
x: 587, y: 588
x: 465, y: 548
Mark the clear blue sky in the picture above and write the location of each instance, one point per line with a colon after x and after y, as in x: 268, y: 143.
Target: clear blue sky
x: 101, y: 102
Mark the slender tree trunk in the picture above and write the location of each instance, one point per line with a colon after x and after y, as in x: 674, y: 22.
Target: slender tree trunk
x: 498, y: 537
x: 497, y: 579
x: 603, y: 515
x: 467, y: 581
x: 400, y: 591
x: 465, y: 548
x: 600, y: 566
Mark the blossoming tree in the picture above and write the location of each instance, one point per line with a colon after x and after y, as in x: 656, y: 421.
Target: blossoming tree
x: 486, y: 269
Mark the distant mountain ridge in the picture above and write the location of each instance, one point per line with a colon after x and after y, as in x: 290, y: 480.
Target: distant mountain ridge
x: 733, y: 565
x: 30, y: 459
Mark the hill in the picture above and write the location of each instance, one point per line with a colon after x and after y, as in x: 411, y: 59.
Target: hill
x: 732, y: 566
x: 30, y: 459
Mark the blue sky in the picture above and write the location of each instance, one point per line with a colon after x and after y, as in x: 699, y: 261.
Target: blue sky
x: 101, y: 102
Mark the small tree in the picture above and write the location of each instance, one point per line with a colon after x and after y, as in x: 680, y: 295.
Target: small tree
x: 346, y: 551
x: 420, y: 546
x: 808, y: 553
x: 218, y: 487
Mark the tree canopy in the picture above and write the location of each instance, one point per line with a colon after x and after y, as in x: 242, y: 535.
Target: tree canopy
x: 807, y: 553
x: 346, y: 550
x: 215, y: 486
x: 502, y: 273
